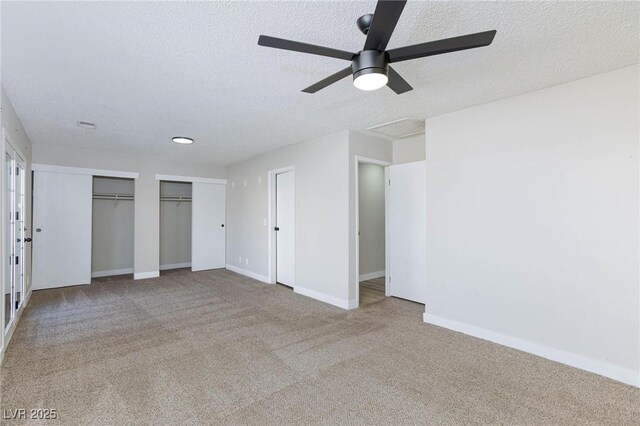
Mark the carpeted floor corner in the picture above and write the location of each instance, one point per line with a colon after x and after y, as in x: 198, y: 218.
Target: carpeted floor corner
x: 215, y: 347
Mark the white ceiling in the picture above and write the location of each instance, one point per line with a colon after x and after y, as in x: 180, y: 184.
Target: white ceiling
x: 145, y: 72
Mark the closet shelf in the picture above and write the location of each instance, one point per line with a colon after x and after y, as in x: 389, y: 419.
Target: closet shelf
x: 175, y: 199
x: 113, y: 197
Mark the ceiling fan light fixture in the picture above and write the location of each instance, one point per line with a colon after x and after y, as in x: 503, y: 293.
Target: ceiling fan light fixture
x: 370, y: 66
x: 182, y: 140
x: 372, y: 80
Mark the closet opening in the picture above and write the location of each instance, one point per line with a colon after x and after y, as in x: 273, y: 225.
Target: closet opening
x: 175, y: 225
x: 112, y: 239
x: 371, y: 232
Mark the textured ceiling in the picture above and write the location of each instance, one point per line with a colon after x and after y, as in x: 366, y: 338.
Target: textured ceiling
x: 145, y: 72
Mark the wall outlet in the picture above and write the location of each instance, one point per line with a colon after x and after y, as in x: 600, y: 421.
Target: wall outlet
x: 233, y: 184
x: 264, y: 221
x: 245, y: 182
x: 240, y: 259
x: 246, y: 261
x: 259, y: 179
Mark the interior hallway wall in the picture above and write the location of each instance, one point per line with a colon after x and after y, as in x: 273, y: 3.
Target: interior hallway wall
x: 409, y: 149
x: 371, y: 219
x: 175, y: 226
x: 147, y: 190
x: 532, y: 222
x: 321, y: 173
x: 112, y: 230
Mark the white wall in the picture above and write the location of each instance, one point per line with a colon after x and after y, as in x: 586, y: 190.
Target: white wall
x: 321, y: 215
x: 112, y: 228
x: 147, y: 190
x: 371, y: 214
x: 409, y: 149
x: 10, y: 122
x: 175, y: 226
x: 532, y: 222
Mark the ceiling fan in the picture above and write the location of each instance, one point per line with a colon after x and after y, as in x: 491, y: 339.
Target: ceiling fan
x: 370, y: 67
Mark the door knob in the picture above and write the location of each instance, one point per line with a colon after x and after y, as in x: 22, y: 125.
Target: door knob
x: 276, y: 228
x: 27, y: 240
x: 222, y: 225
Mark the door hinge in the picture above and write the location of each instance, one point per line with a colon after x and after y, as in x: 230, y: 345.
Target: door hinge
x: 17, y: 215
x: 389, y: 182
x: 17, y: 260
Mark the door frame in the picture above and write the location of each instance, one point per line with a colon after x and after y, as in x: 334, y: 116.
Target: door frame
x: 383, y: 163
x: 271, y: 178
x: 5, y: 335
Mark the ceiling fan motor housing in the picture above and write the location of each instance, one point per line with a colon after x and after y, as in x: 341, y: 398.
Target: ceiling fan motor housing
x: 364, y: 23
x: 368, y: 62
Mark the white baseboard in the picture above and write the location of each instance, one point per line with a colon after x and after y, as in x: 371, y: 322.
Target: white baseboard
x: 611, y: 371
x: 145, y: 275
x: 372, y: 275
x: 112, y: 272
x: 340, y: 303
x: 247, y: 273
x: 175, y: 266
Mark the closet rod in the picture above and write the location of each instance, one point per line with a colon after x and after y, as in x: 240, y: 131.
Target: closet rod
x: 115, y: 197
x: 179, y: 199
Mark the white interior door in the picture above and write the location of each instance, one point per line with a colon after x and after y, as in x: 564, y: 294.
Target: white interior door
x: 62, y: 205
x: 407, y: 223
x: 285, y: 226
x: 208, y: 237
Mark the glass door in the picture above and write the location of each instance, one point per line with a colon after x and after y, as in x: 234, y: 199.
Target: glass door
x: 7, y: 293
x: 13, y: 291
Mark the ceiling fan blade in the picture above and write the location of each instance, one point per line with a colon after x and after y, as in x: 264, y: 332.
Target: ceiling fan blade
x: 397, y: 83
x: 329, y: 80
x: 438, y: 47
x: 384, y: 22
x: 296, y: 46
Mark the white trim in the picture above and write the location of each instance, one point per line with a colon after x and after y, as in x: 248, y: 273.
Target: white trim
x: 359, y: 159
x: 6, y: 145
x: 175, y: 266
x: 112, y: 272
x: 247, y: 273
x: 387, y: 235
x: 372, y: 275
x: 614, y: 372
x: 82, y: 171
x: 331, y: 300
x: 271, y: 196
x: 146, y: 275
x: 192, y: 179
x: 383, y: 163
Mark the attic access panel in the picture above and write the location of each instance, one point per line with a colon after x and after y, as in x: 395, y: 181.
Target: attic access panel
x: 399, y: 129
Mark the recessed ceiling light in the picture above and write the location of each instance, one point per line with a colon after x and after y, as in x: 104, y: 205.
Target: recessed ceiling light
x: 182, y: 140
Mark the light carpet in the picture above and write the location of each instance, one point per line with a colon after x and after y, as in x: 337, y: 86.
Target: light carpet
x: 215, y: 347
